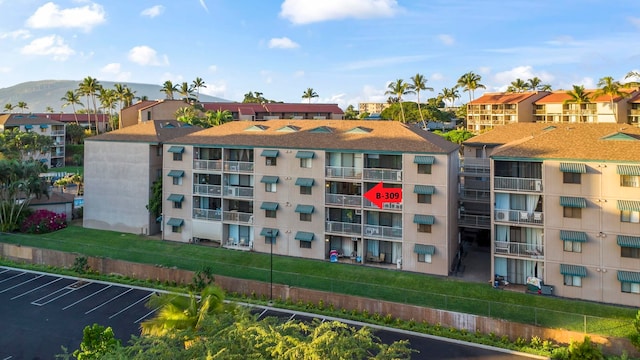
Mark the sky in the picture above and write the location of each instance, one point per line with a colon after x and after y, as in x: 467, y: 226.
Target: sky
x: 347, y: 51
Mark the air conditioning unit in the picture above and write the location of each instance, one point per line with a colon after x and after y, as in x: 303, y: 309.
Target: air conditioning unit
x: 268, y: 162
x: 399, y: 174
x: 502, y: 215
x: 538, y: 185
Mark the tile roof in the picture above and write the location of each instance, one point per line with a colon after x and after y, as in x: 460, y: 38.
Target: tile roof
x: 26, y: 119
x: 158, y: 131
x: 82, y: 118
x: 384, y: 136
x: 503, y: 98
x: 560, y: 96
x: 273, y: 107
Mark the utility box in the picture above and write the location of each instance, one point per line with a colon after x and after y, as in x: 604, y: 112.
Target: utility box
x: 547, y: 289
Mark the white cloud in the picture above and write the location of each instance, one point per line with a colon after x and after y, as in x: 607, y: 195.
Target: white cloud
x: 387, y: 61
x: 635, y: 21
x: 115, y: 72
x: 50, y: 15
x: 525, y: 72
x: 446, y: 39
x: 153, y: 11
x: 145, y: 55
x: 299, y: 74
x: 310, y: 11
x: 204, y: 5
x: 49, y: 45
x: 5, y: 69
x: 437, y: 77
x: 17, y: 34
x: 282, y: 43
x: 212, y: 68
x: 215, y: 89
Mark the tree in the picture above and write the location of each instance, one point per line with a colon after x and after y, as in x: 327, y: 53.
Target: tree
x: 8, y: 107
x: 215, y: 118
x: 155, y: 200
x: 518, y: 85
x: 127, y: 97
x: 49, y: 110
x: 198, y: 84
x: 72, y: 98
x: 470, y: 82
x: 309, y: 94
x: 607, y: 86
x: 19, y: 145
x: 168, y: 88
x: 23, y: 106
x: 631, y: 75
x: 108, y: 99
x: 450, y: 94
x: 186, y: 91
x: 188, y: 115
x: 578, y: 96
x: 418, y: 84
x: 545, y: 87
x: 75, y: 133
x: 89, y: 87
x: 97, y: 341
x: 19, y: 183
x: 351, y: 113
x: 534, y: 83
x: 398, y: 88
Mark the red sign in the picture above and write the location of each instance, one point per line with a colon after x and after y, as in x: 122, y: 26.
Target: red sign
x: 379, y: 195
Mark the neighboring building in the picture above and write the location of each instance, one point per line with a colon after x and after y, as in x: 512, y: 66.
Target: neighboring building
x: 120, y: 168
x: 58, y: 202
x: 552, y: 108
x: 295, y: 187
x: 372, y: 108
x: 43, y: 126
x: 497, y: 109
x: 565, y: 207
x: 88, y: 121
x: 633, y: 110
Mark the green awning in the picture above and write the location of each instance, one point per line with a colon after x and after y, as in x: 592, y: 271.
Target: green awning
x: 629, y: 241
x: 304, y: 236
x: 304, y: 182
x: 424, y: 249
x: 424, y: 189
x: 424, y: 160
x: 175, y: 222
x: 267, y: 179
x: 578, y: 236
x: 305, y: 209
x: 176, y: 149
x: 629, y: 170
x: 305, y: 155
x: 269, y: 232
x: 577, y: 168
x: 267, y: 205
x: 574, y: 202
x: 424, y: 219
x: 176, y: 173
x: 629, y: 276
x: 43, y: 126
x: 573, y: 270
x: 176, y: 197
x: 270, y: 153
x: 628, y: 205
x: 28, y: 127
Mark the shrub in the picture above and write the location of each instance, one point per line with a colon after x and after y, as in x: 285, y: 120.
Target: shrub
x: 585, y: 350
x: 80, y: 265
x: 44, y: 221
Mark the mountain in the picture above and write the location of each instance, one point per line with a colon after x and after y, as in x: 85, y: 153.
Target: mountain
x: 40, y: 94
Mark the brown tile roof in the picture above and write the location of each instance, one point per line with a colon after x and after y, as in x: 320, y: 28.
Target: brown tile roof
x: 374, y: 135
x: 559, y: 97
x: 635, y: 99
x: 56, y: 197
x: 26, y: 119
x: 502, y: 98
x: 588, y: 142
x: 158, y: 131
x: 273, y: 107
x: 82, y: 118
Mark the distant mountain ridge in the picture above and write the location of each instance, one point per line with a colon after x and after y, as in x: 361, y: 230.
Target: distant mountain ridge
x: 40, y: 94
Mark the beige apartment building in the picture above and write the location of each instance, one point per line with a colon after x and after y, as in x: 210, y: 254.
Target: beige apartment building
x: 565, y: 207
x: 372, y: 107
x: 497, y: 109
x: 43, y: 126
x: 295, y: 187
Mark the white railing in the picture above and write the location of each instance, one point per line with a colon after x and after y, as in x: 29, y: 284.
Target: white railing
x: 382, y: 174
x: 475, y: 195
x: 475, y: 221
x: 385, y: 206
x: 343, y: 200
x: 207, y: 214
x: 208, y: 165
x: 238, y: 191
x: 385, y: 232
x: 343, y: 172
x: 517, y: 184
x: 519, y: 217
x: 238, y: 166
x: 343, y: 228
x: 210, y: 190
x: 238, y: 217
x: 535, y: 251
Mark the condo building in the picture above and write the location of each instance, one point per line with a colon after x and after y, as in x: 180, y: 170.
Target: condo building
x: 41, y: 125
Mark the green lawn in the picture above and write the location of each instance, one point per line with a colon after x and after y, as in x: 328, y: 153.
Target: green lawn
x: 391, y: 285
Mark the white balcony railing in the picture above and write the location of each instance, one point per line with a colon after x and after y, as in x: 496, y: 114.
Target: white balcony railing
x: 517, y: 184
x: 238, y: 217
x: 385, y: 206
x: 208, y: 190
x: 535, y: 251
x: 208, y: 165
x: 519, y: 217
x: 385, y: 232
x: 382, y: 174
x: 238, y: 191
x: 475, y: 221
x: 343, y: 200
x: 343, y: 228
x: 238, y: 166
x: 207, y: 214
x: 343, y: 172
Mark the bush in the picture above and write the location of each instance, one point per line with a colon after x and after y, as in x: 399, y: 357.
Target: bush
x: 44, y: 221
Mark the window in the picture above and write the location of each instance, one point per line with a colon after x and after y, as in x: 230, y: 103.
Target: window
x: 270, y: 187
x: 572, y: 246
x: 305, y: 190
x: 571, y: 178
x: 630, y: 216
x: 177, y: 156
x: 269, y: 240
x: 270, y: 214
x: 305, y: 217
x: 424, y: 228
x: 572, y: 212
x: 573, y: 280
x: 177, y: 204
x: 425, y: 258
x: 424, y: 168
x: 270, y: 161
x: 175, y: 229
x: 305, y: 163
x: 630, y: 181
x: 424, y: 198
x: 629, y: 287
x: 629, y: 252
x: 305, y: 244
x: 177, y: 180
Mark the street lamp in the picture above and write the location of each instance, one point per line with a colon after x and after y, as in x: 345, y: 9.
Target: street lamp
x: 270, y: 236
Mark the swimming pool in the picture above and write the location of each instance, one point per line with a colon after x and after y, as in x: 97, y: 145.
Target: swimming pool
x: 78, y: 202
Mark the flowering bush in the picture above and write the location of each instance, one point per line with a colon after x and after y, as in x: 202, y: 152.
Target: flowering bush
x: 44, y: 221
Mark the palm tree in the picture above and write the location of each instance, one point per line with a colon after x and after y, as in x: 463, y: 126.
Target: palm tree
x: 578, y: 96
x: 215, y: 118
x: 72, y: 98
x: 545, y: 87
x: 89, y: 87
x: 470, y: 82
x: 49, y: 109
x: 518, y: 85
x: 8, y: 107
x: 197, y: 84
x: 632, y: 74
x: 450, y: 94
x: 186, y: 91
x: 22, y: 105
x: 612, y: 88
x: 419, y: 83
x: 128, y: 96
x: 168, y: 89
x: 108, y: 99
x: 309, y: 94
x: 398, y: 88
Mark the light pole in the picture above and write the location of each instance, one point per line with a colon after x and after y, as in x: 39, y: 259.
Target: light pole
x: 271, y: 267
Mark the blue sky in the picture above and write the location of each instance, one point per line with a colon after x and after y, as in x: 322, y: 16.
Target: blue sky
x: 346, y: 50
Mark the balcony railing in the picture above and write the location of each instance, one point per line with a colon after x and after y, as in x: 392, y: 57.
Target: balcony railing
x: 343, y: 172
x: 57, y: 132
x: 238, y: 191
x: 475, y: 221
x: 534, y: 251
x: 519, y: 217
x: 209, y: 190
x: 382, y: 174
x: 238, y: 166
x: 208, y: 165
x: 517, y: 184
x: 343, y: 228
x: 385, y: 206
x: 473, y: 166
x: 477, y: 184
x: 634, y: 111
x: 343, y: 200
x: 474, y: 195
x: 385, y: 232
x: 241, y: 243
x: 238, y: 217
x: 207, y: 214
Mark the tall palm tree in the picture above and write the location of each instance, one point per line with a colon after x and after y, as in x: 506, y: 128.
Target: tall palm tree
x: 8, y: 107
x: 197, y: 84
x: 419, y: 83
x: 518, y: 85
x: 578, y: 96
x: 186, y: 91
x: 450, y: 94
x: 612, y: 88
x: 216, y: 118
x: 108, y: 100
x: 398, y: 88
x: 89, y: 87
x: 633, y: 74
x: 309, y: 94
x: 470, y: 82
x: 168, y: 88
x: 72, y: 98
x: 545, y: 87
x: 127, y: 96
x: 22, y: 105
x: 534, y: 83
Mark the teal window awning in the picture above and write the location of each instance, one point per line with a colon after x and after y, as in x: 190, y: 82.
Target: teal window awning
x: 304, y: 182
x: 267, y: 205
x: 577, y: 168
x: 270, y: 153
x: 424, y: 219
x: 424, y: 249
x: 629, y: 276
x: 28, y: 127
x: 305, y: 209
x: 176, y: 173
x: 424, y: 160
x: 176, y: 149
x: 305, y: 154
x: 269, y: 232
x: 176, y: 197
x: 628, y: 205
x: 304, y: 236
x: 574, y: 202
x: 267, y: 179
x: 43, y: 126
x: 175, y: 222
x: 578, y: 236
x: 573, y: 270
x: 629, y: 241
x: 424, y: 189
x: 633, y: 170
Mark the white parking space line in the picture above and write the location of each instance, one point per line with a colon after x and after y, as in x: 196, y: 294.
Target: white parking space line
x: 292, y: 316
x: 8, y: 357
x: 262, y: 313
x: 86, y: 297
x: 34, y: 289
x: 108, y: 301
x: 5, y: 270
x: 146, y: 315
x: 14, y: 276
x: 38, y: 303
x: 22, y: 283
x: 130, y: 306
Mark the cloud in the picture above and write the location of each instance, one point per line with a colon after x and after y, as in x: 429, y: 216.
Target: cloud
x: 17, y: 34
x: 204, y: 5
x: 212, y: 68
x: 50, y: 15
x: 387, y: 61
x: 310, y: 11
x: 153, y: 11
x: 144, y: 55
x: 299, y: 74
x: 282, y: 43
x: 114, y: 69
x: 446, y: 39
x: 215, y: 89
x: 5, y: 69
x: 524, y: 72
x: 49, y: 45
x: 635, y: 21
x: 266, y: 76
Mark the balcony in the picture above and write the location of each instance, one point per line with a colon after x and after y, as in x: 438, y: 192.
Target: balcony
x: 385, y: 206
x: 57, y: 132
x: 207, y: 190
x: 382, y: 174
x: 634, y: 111
x: 338, y: 172
x: 517, y: 184
x: 519, y: 217
x: 476, y: 167
x: 476, y: 184
x: 207, y: 214
x: 207, y: 165
x: 238, y: 191
x: 475, y: 221
x: 384, y: 232
x: 237, y: 217
x: 337, y: 227
x: 238, y: 166
x: 532, y: 251
x: 343, y: 200
x: 474, y: 195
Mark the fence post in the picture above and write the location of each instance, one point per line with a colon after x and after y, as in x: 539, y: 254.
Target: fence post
x: 585, y: 323
x: 489, y: 309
